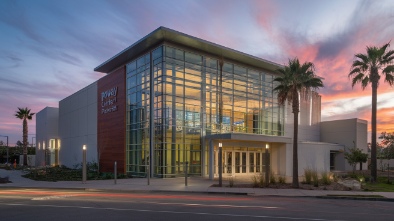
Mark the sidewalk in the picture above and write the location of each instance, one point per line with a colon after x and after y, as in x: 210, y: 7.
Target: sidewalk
x: 195, y: 184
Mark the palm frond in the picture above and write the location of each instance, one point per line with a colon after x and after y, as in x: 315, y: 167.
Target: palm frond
x: 363, y: 57
x: 358, y: 78
x: 388, y: 72
x: 364, y: 82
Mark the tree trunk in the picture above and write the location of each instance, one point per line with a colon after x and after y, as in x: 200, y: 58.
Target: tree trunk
x: 361, y: 165
x: 25, y: 132
x: 373, y: 134
x: 295, y: 105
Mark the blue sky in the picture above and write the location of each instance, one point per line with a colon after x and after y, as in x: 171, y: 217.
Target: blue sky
x: 49, y: 48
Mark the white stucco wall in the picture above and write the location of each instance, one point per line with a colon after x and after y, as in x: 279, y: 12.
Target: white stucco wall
x: 308, y: 120
x: 278, y: 161
x: 345, y: 132
x: 78, y: 126
x: 47, y: 121
x: 311, y: 155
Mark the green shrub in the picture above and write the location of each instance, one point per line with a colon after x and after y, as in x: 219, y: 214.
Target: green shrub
x: 255, y: 181
x: 258, y: 181
x: 107, y: 176
x: 315, y: 179
x: 308, y: 175
x: 281, y: 180
x: 231, y: 180
x: 272, y: 178
x: 325, y: 178
x: 335, y: 177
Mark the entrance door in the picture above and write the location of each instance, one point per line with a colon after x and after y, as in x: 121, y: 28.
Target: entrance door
x: 240, y: 162
x: 228, y: 162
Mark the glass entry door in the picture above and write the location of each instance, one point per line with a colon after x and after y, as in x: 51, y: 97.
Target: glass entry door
x: 240, y: 162
x: 228, y: 162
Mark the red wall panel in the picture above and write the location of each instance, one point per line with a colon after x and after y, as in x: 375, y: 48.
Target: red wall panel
x: 111, y: 121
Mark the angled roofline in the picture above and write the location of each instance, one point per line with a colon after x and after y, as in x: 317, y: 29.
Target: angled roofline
x: 163, y: 34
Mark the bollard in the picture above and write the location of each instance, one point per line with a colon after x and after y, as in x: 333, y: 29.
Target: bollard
x: 148, y: 174
x: 115, y: 172
x: 186, y: 166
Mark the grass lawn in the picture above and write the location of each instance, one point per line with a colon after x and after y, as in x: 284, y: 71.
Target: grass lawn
x: 380, y: 186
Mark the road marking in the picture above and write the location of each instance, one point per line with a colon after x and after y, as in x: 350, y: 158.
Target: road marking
x: 52, y: 197
x: 214, y: 205
x: 172, y: 212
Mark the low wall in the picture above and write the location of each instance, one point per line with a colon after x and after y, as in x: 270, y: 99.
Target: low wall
x: 383, y: 163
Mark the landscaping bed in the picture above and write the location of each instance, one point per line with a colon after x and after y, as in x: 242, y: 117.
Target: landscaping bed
x: 66, y: 174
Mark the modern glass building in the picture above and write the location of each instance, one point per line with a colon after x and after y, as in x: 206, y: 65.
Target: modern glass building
x: 170, y: 100
x: 195, y: 95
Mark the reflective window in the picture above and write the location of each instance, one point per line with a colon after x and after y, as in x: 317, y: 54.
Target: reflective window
x: 186, y: 90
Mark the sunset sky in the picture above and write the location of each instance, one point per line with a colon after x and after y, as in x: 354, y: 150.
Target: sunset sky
x: 49, y: 49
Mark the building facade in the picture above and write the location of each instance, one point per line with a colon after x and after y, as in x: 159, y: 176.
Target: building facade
x: 170, y: 100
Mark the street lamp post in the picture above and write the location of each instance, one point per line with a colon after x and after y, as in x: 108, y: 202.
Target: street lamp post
x: 267, y: 164
x: 7, y: 146
x: 220, y: 164
x: 84, y: 164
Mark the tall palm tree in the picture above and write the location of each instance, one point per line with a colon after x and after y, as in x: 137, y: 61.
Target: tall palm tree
x: 365, y: 70
x: 296, y: 81
x: 24, y: 114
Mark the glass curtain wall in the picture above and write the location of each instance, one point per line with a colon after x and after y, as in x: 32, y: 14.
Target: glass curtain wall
x: 186, y: 105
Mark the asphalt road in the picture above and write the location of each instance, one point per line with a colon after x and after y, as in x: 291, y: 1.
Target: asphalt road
x: 59, y: 205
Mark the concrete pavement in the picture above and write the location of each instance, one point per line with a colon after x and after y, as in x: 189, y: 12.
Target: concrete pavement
x: 195, y: 184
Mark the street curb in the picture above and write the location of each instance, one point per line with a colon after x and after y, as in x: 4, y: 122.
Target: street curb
x: 357, y: 198
x: 123, y: 191
x: 165, y: 191
x: 334, y: 197
x: 34, y: 187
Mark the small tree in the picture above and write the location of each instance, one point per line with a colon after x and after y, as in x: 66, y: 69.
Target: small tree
x: 354, y: 156
x: 387, y: 145
x: 24, y: 114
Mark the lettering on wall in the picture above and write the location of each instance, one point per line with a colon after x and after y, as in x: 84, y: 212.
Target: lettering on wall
x: 109, y: 100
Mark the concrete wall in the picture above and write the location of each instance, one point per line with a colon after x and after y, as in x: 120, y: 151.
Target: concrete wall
x: 47, y: 121
x: 311, y: 155
x: 383, y: 163
x: 316, y: 156
x: 308, y: 120
x: 278, y: 158
x: 345, y: 132
x: 31, y: 159
x: 78, y: 126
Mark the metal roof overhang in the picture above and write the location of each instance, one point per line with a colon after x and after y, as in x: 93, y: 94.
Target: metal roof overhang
x: 249, y: 138
x: 163, y: 34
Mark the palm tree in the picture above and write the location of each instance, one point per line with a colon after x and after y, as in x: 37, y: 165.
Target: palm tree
x: 365, y: 70
x: 296, y: 81
x: 24, y: 114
